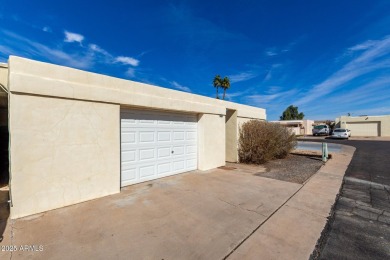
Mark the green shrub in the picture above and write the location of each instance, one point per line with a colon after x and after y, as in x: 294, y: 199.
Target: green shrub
x: 260, y: 141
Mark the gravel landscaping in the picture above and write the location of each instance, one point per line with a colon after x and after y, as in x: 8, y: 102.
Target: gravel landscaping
x: 294, y: 168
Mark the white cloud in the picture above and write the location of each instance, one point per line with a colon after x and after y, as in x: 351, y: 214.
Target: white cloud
x: 180, y: 87
x: 368, y: 61
x: 273, y: 89
x: 363, y: 46
x: 130, y: 72
x: 47, y: 29
x: 73, y: 37
x: 127, y: 60
x: 243, y: 76
x: 271, y: 53
x: 352, y: 100
x: 96, y: 48
x: 26, y: 47
x: 271, y: 71
x: 274, y: 102
x: 233, y: 95
x: 271, y: 99
x: 82, y: 57
x: 274, y: 51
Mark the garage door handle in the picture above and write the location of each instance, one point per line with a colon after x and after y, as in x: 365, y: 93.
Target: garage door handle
x: 172, y: 152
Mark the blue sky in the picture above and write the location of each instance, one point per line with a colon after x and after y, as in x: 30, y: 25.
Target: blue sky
x: 329, y: 58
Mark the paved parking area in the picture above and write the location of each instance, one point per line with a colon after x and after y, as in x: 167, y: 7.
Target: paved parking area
x: 197, y: 215
x: 360, y: 228
x: 217, y: 214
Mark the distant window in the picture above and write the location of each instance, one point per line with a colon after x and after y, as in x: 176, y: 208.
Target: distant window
x: 320, y: 126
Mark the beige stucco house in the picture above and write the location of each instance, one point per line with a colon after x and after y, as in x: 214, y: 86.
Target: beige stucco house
x: 365, y: 125
x: 298, y: 127
x: 76, y: 136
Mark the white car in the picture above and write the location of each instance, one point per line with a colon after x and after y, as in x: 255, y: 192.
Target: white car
x: 341, y: 133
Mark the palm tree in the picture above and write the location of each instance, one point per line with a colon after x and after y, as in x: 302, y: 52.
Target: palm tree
x: 225, y: 84
x: 217, y: 82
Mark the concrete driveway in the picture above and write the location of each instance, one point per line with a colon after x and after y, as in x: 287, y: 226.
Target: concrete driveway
x: 198, y: 215
x: 193, y: 215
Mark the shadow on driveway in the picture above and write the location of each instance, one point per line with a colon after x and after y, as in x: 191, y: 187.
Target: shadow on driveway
x: 4, y: 212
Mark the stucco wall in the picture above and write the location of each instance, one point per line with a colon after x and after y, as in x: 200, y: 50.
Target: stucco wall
x: 231, y: 136
x: 294, y: 128
x: 40, y: 78
x: 211, y: 141
x: 62, y: 152
x: 384, y: 122
x: 308, y: 124
x: 64, y: 127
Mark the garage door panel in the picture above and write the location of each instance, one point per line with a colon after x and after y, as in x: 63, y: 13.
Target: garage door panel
x: 178, y: 121
x: 191, y: 135
x: 163, y: 152
x: 129, y: 174
x: 146, y: 122
x: 146, y: 137
x: 179, y: 165
x: 146, y: 171
x: 156, y: 144
x: 191, y: 164
x: 128, y: 137
x: 129, y: 156
x: 178, y: 135
x: 178, y: 150
x: 147, y: 154
x: 128, y: 123
x: 191, y: 149
x: 127, y: 165
x: 364, y: 129
x: 164, y: 168
x: 163, y: 136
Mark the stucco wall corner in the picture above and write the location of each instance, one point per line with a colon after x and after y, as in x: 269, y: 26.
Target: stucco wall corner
x: 211, y: 141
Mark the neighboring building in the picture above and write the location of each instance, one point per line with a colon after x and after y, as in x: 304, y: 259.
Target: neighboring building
x: 77, y: 136
x: 322, y: 122
x: 365, y: 125
x: 298, y: 127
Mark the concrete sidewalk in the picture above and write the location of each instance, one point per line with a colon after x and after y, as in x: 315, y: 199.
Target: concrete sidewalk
x: 200, y: 215
x: 293, y: 230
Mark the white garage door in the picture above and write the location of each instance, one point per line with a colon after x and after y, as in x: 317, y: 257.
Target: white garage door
x: 156, y: 144
x: 364, y: 129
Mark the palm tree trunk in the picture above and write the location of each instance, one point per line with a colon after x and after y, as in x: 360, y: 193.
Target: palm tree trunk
x: 217, y: 94
x: 224, y: 92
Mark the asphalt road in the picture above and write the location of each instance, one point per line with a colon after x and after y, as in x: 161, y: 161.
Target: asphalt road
x: 360, y: 225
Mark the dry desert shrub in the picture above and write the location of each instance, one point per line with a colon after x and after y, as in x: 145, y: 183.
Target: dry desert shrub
x: 261, y: 141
